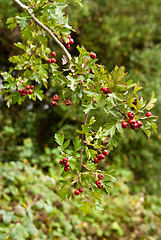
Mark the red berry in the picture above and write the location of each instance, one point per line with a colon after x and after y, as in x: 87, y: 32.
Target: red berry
x: 139, y: 123
x: 53, y: 103
x: 98, y: 182
x: 49, y: 60
x: 56, y: 98
x: 61, y: 162
x: 30, y: 91
x: 106, y: 90
x: 67, y: 45
x: 101, y: 156
x: 124, y: 124
x: 68, y: 102
x: 23, y: 94
x: 100, y: 176
x: 27, y: 87
x: 101, y: 88
x: 134, y: 126
x: 53, y: 60
x: 76, y: 192
x: 32, y: 87
x: 65, y: 160
x: 71, y: 41
x: 27, y: 92
x: 23, y: 90
x: 93, y: 55
x: 105, y: 152
x: 148, y: 114
x: 132, y: 122
x: 81, y: 189
x: 20, y: 90
x: 131, y: 114
x: 135, y: 101
x: 69, y: 37
x: 96, y: 160
x: 53, y: 54
x: 67, y: 164
x: 100, y: 186
x: 66, y: 169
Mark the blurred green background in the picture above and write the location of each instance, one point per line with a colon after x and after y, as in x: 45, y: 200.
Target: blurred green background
x: 120, y: 32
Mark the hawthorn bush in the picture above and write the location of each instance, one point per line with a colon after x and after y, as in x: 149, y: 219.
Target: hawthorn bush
x: 82, y: 82
x: 87, y: 127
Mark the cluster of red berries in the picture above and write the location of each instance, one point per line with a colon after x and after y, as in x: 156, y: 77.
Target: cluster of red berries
x: 134, y: 124
x: 98, y: 182
x: 70, y: 42
x: 27, y: 90
x: 52, y: 60
x: 100, y: 156
x: 66, y: 164
x: 56, y: 99
x: 77, y: 192
x: 105, y: 89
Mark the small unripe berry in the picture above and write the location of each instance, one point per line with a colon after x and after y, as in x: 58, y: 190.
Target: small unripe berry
x: 148, y: 114
x: 132, y: 122
x: 105, y: 152
x: 131, y: 115
x: 65, y: 160
x: 134, y: 126
x: 66, y: 169
x: 53, y: 103
x: 53, y: 60
x: 32, y: 87
x: 124, y: 124
x: 93, y: 55
x: 56, y: 98
x: 100, y: 176
x: 139, y: 123
x: 67, y: 164
x: 27, y: 87
x: 76, y: 192
x: 100, y: 186
x: 106, y: 90
x: 53, y: 54
x: 81, y: 189
x: 67, y: 102
x: 71, y: 41
x: 98, y: 182
x: 96, y: 160
x: 61, y: 162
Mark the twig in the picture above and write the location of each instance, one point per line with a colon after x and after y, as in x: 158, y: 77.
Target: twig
x: 30, y: 11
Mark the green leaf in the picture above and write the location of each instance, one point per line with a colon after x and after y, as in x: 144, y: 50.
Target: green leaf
x: 11, y: 23
x: 77, y: 144
x: 92, y: 120
x: 66, y: 144
x: 59, y: 138
x: 38, y: 93
x: 153, y: 100
x: 88, y: 107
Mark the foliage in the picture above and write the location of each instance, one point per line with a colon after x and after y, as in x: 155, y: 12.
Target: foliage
x: 33, y: 209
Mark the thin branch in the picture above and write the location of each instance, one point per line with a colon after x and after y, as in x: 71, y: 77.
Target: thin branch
x: 30, y: 11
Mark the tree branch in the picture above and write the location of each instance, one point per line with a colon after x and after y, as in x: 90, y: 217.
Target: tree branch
x: 30, y: 11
